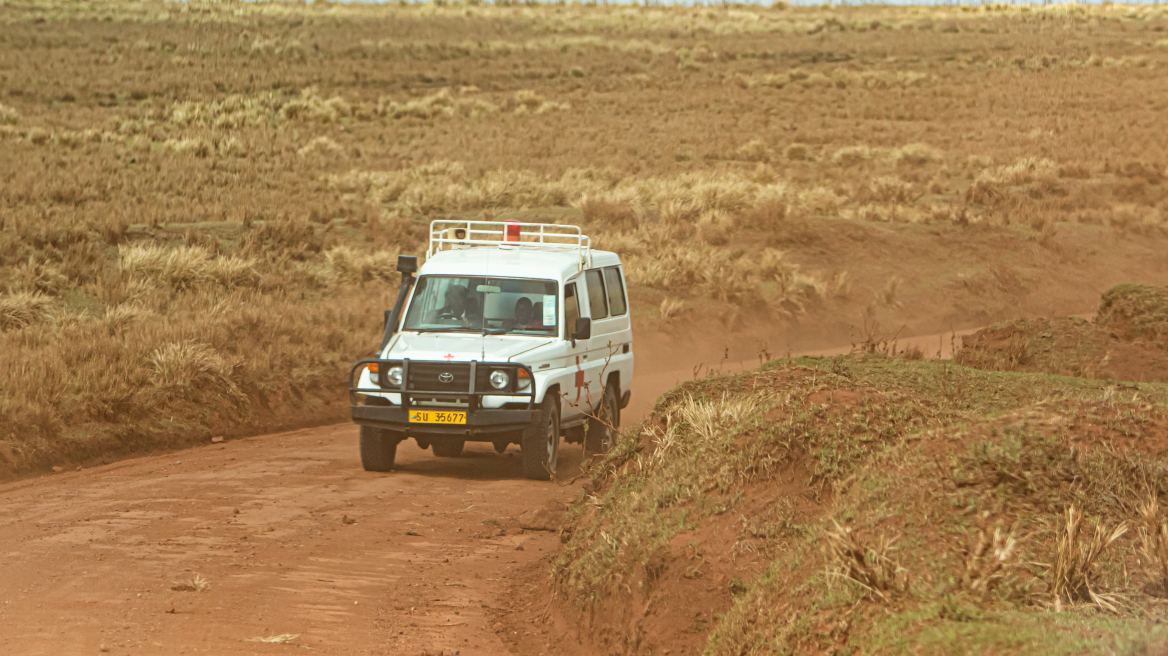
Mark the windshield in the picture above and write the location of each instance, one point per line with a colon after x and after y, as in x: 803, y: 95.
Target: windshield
x: 493, y: 306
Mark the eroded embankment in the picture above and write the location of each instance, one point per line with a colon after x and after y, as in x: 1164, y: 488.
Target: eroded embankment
x: 876, y: 503
x: 1127, y: 340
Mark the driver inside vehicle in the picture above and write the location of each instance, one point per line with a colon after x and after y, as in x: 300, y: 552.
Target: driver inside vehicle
x: 455, y: 306
x: 522, y: 314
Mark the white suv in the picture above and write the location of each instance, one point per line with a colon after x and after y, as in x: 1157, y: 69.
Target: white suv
x: 512, y: 333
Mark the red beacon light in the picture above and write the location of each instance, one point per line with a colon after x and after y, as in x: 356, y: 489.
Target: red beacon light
x: 511, y: 230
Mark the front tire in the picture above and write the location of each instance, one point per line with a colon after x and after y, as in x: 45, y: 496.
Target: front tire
x: 378, y: 449
x: 448, y: 448
x: 541, y: 441
x: 603, y: 427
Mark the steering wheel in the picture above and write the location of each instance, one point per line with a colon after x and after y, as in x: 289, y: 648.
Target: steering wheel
x: 449, y: 315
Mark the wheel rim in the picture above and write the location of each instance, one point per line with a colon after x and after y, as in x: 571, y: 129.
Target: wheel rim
x: 551, y: 438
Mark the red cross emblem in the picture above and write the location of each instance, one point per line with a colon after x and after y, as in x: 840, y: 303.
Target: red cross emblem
x: 448, y: 357
x: 579, y: 379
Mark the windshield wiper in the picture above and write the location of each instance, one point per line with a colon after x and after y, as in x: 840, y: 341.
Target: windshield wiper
x: 496, y: 331
x: 452, y: 329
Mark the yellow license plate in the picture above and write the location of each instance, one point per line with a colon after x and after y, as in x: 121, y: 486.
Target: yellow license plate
x: 436, y: 417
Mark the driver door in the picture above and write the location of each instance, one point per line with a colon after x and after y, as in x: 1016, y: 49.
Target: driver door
x: 574, y: 396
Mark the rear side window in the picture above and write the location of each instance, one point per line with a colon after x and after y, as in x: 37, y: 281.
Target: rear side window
x: 616, y: 291
x: 596, y: 299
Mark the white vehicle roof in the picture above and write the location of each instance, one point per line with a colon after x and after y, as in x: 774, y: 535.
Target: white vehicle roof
x: 480, y: 248
x: 505, y: 262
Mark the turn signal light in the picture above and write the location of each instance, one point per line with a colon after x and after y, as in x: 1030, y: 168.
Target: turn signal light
x: 372, y: 367
x: 523, y: 373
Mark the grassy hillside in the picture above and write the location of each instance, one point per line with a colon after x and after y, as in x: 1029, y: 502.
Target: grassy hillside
x: 866, y: 504
x: 200, y: 203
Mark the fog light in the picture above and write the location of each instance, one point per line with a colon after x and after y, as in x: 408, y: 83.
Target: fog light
x: 499, y: 379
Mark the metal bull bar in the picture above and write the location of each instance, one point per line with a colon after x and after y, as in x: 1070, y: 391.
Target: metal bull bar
x: 442, y: 381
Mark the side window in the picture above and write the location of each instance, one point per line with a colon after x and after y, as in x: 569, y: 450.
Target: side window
x: 616, y: 291
x: 571, y: 311
x: 596, y: 299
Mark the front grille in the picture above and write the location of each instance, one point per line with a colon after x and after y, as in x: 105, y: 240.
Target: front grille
x: 428, y: 376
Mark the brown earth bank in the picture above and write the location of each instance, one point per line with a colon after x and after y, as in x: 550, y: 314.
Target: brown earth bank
x: 677, y: 599
x: 1126, y: 341
x: 759, y: 512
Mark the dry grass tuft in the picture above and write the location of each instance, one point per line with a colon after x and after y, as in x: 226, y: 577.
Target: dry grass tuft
x: 195, y: 584
x: 917, y: 154
x: 191, y: 371
x: 755, y: 151
x: 282, y: 639
x: 22, y: 309
x: 441, y: 104
x: 322, y: 146
x: 185, y: 267
x: 119, y: 317
x: 35, y: 276
x: 1074, y: 575
x: 1154, y: 546
x: 986, y: 564
x: 310, y: 106
x: 671, y: 308
x: 527, y: 101
x: 852, y: 155
x: 232, y: 113
x: 8, y: 115
x: 869, y: 566
x: 346, y: 265
x: 708, y: 418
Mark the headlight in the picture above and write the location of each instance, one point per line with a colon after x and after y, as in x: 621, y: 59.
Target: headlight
x: 393, y: 376
x: 499, y: 379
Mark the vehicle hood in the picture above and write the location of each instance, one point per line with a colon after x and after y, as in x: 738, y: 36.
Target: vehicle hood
x: 461, y: 347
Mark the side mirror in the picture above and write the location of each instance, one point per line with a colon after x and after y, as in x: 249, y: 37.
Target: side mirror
x: 407, y: 264
x: 583, y: 328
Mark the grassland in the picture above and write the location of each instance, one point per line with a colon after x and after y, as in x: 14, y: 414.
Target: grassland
x: 200, y: 202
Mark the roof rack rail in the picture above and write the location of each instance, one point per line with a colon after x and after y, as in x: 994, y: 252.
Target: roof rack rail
x: 446, y: 234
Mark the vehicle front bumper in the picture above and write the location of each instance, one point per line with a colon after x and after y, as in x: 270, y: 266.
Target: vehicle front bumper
x: 371, y: 408
x: 479, y: 423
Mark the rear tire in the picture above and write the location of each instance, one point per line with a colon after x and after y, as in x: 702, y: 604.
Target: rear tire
x: 600, y: 435
x: 378, y: 449
x: 541, y: 441
x: 448, y: 448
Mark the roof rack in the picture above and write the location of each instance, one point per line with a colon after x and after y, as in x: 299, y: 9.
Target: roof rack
x: 446, y: 234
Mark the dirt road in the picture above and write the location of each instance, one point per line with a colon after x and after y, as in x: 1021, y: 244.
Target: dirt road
x: 291, y: 536
x: 293, y: 541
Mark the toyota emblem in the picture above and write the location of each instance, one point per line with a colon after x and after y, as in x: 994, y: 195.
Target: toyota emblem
x: 446, y: 378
